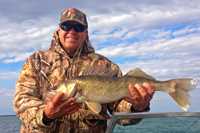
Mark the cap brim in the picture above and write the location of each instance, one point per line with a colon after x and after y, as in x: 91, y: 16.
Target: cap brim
x: 72, y: 21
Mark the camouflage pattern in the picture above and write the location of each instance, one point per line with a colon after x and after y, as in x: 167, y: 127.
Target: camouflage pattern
x: 73, y: 14
x: 48, y: 68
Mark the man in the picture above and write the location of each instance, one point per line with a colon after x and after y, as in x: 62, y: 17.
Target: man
x: 69, y: 54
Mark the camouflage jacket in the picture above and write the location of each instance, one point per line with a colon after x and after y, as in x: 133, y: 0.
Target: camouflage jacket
x: 48, y: 68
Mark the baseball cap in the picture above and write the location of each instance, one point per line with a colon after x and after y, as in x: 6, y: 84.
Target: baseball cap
x: 73, y: 14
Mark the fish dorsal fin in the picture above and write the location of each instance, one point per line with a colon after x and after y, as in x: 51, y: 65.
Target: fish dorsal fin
x: 94, y: 106
x: 137, y: 72
x: 99, y: 70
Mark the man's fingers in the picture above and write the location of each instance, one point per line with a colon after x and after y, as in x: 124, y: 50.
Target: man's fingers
x: 149, y: 88
x: 72, y: 109
x: 142, y: 91
x: 141, y: 96
x: 134, y: 92
x: 67, y: 103
x: 75, y: 107
x: 57, y: 98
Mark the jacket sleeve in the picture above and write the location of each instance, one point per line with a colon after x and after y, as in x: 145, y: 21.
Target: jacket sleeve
x: 27, y: 101
x: 124, y: 106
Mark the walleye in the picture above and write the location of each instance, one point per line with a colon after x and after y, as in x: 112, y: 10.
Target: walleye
x: 94, y: 89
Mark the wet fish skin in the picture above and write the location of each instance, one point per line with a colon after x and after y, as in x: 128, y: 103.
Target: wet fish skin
x: 95, y: 89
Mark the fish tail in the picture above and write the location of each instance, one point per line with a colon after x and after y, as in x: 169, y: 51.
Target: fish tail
x: 179, y: 91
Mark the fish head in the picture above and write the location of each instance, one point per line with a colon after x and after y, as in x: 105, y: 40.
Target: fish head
x: 69, y: 88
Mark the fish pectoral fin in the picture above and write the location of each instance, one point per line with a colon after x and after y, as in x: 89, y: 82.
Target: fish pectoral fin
x: 137, y: 72
x: 79, y: 98
x: 94, y: 106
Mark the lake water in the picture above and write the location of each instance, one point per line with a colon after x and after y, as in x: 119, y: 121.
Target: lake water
x: 162, y: 125
x: 11, y: 124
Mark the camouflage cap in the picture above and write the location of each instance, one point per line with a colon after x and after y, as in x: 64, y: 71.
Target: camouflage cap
x: 73, y: 14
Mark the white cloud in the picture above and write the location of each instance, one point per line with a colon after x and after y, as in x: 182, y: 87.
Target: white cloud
x: 9, y: 75
x: 25, y: 36
x: 131, y: 34
x: 166, y: 69
x: 165, y: 34
x: 130, y: 18
x: 143, y: 19
x: 180, y: 47
x: 186, y: 30
x: 6, y: 92
x: 18, y: 58
x: 104, y: 37
x: 6, y: 100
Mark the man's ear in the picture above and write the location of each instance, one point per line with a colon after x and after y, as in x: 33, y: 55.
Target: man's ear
x: 58, y: 30
x: 86, y: 33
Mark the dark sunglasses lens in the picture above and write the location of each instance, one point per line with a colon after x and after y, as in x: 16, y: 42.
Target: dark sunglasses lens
x: 66, y: 27
x: 79, y: 28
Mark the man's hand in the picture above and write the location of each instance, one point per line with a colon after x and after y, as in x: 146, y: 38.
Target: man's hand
x: 141, y: 96
x: 55, y: 108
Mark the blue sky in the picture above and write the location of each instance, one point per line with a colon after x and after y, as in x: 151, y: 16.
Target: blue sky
x: 160, y: 37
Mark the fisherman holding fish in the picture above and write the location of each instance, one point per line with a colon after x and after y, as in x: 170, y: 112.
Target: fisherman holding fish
x: 71, y: 55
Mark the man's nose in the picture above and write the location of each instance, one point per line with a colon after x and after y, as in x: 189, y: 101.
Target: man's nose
x: 72, y: 30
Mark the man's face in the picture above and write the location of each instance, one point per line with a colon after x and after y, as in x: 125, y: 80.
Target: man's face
x: 71, y: 40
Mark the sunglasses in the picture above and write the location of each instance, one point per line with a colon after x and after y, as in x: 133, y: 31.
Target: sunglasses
x: 68, y: 27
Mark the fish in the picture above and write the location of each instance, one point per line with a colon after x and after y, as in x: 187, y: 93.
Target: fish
x: 99, y: 85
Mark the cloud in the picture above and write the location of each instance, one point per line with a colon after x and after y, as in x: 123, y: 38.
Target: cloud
x: 6, y: 92
x: 18, y: 58
x: 22, y: 37
x: 9, y: 75
x: 33, y: 29
x: 166, y: 69
x: 186, y: 30
x: 6, y: 100
x: 180, y: 47
x: 131, y: 34
x: 144, y: 18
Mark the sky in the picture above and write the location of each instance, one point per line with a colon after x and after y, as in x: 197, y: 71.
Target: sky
x: 160, y: 37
